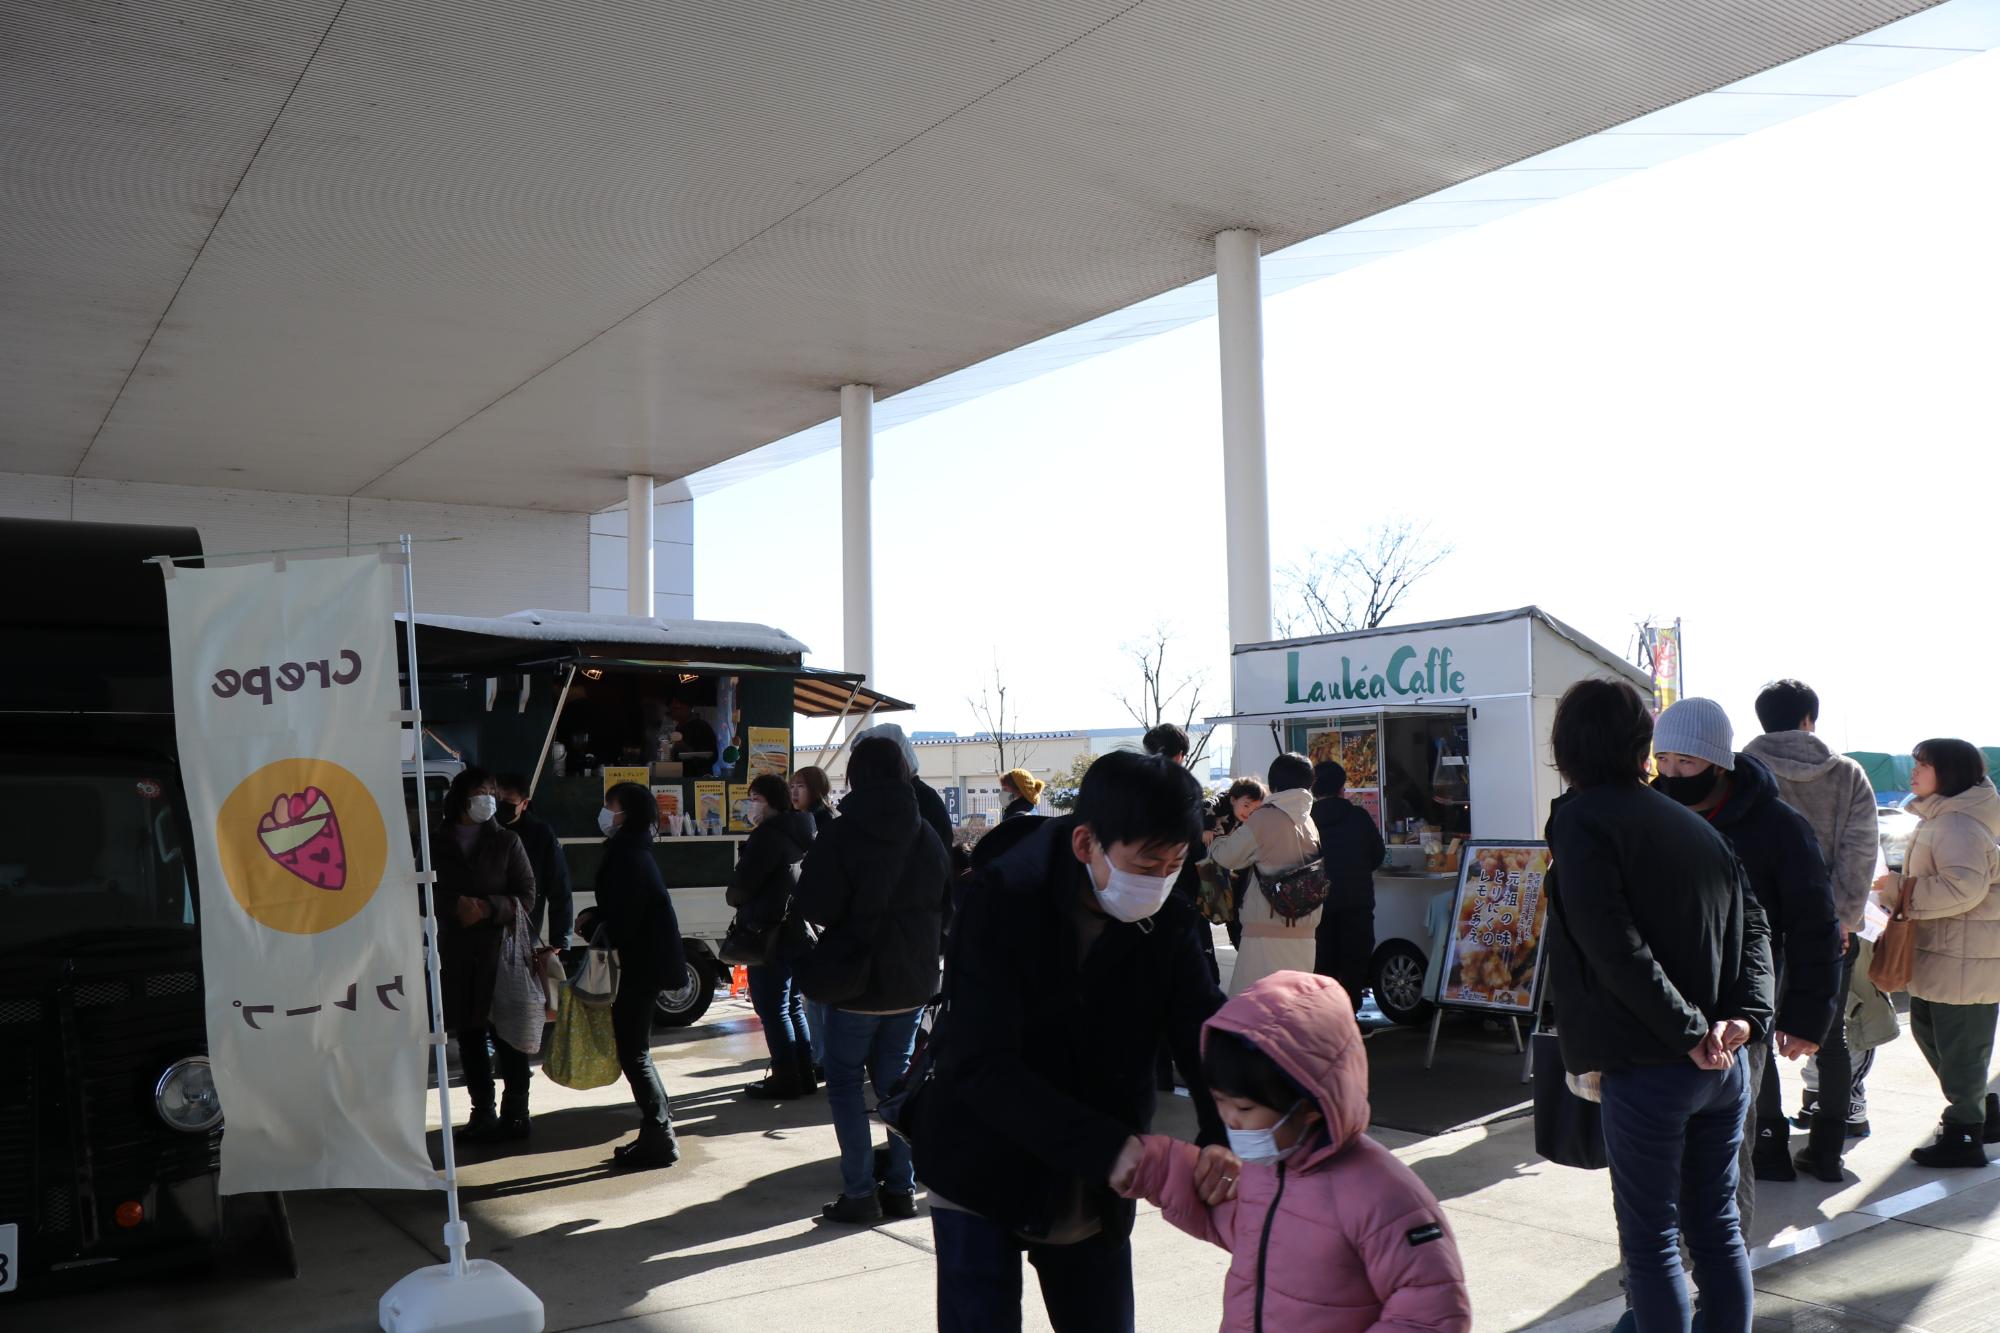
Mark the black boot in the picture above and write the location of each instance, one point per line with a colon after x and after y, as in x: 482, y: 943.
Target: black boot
x: 1955, y: 1145
x: 653, y: 1149
x: 513, y: 1126
x: 1820, y: 1158
x: 1771, y: 1159
x: 1992, y: 1133
x: 781, y: 1084
x: 483, y: 1127
x: 808, y: 1071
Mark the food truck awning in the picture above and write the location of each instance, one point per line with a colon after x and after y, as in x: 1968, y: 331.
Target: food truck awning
x: 815, y: 693
x: 525, y: 640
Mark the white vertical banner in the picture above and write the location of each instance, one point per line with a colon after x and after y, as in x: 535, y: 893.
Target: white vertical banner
x: 286, y: 702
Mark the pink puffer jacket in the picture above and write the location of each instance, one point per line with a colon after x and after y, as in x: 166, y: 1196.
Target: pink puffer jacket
x: 1343, y: 1238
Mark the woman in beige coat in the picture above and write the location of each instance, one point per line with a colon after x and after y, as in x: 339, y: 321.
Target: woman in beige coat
x: 1951, y: 867
x: 1277, y: 837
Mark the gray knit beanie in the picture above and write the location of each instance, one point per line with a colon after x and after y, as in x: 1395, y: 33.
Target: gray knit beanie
x: 1696, y: 727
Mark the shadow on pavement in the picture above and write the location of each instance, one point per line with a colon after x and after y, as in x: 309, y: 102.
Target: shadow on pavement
x: 1477, y: 1074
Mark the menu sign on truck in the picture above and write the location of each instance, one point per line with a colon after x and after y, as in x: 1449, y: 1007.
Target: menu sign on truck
x: 1494, y: 953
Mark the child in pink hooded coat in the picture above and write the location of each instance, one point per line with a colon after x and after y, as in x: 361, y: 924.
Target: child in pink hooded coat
x: 1336, y: 1236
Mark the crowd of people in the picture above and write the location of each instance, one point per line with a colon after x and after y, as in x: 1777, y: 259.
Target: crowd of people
x: 1706, y: 926
x: 1707, y: 908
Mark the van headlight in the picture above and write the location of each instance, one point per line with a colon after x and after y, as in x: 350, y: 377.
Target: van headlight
x: 185, y: 1096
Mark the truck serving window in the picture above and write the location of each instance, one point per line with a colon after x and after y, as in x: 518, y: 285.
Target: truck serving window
x: 90, y: 852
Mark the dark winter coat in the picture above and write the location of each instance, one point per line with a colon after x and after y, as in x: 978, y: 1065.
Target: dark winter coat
x: 931, y: 806
x: 637, y: 913
x: 496, y: 870
x: 822, y: 818
x: 553, y: 899
x: 1045, y: 1063
x: 760, y: 888
x: 1653, y: 931
x: 1351, y: 848
x: 876, y: 886
x: 1017, y: 807
x: 1787, y: 873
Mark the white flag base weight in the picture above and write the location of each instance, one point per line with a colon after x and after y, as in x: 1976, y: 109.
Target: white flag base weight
x: 486, y: 1298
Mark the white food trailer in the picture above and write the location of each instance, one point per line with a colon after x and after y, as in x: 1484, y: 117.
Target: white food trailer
x: 1444, y: 730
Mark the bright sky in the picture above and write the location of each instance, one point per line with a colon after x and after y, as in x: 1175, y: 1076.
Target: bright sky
x: 1754, y: 388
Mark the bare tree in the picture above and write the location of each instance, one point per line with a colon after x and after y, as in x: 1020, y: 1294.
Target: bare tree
x: 1360, y: 587
x: 1163, y: 696
x: 991, y: 708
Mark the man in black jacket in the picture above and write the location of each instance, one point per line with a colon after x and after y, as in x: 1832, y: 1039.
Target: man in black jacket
x: 553, y: 899
x: 1350, y: 847
x: 1659, y: 967
x: 1070, y: 963
x: 1738, y: 795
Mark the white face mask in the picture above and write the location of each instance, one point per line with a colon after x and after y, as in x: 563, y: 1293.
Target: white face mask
x: 759, y: 812
x: 1129, y: 897
x: 1261, y: 1145
x: 606, y: 821
x: 482, y: 807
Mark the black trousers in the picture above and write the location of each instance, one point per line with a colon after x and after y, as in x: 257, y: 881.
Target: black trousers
x: 1345, y: 939
x: 475, y: 1059
x: 632, y: 1030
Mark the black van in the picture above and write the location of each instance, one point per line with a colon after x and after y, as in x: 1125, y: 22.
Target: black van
x: 110, y: 1129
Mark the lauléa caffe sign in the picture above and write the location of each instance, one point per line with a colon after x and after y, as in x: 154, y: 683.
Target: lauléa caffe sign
x: 1405, y: 677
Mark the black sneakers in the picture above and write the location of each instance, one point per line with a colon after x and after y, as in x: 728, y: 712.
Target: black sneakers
x: 897, y: 1203
x: 854, y: 1212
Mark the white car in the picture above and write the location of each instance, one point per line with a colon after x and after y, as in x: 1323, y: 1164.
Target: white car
x: 1897, y: 825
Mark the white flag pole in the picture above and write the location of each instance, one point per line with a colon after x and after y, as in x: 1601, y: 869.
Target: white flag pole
x: 478, y: 1296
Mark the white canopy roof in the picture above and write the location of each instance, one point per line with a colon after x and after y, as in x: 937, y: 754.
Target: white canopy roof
x: 499, y: 252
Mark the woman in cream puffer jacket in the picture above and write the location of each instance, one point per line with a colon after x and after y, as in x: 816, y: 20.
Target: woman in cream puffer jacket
x: 1952, y: 867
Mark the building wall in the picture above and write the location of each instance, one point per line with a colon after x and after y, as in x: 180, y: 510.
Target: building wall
x: 503, y: 559
x: 673, y: 561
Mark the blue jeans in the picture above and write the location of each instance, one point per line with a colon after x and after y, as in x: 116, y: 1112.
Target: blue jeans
x: 1671, y: 1134
x: 816, y: 1020
x: 1086, y: 1287
x: 877, y: 1045
x: 781, y: 1007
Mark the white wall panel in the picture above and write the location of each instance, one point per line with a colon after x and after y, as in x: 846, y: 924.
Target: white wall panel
x: 24, y: 495
x: 504, y: 559
x: 508, y: 559
x: 673, y: 560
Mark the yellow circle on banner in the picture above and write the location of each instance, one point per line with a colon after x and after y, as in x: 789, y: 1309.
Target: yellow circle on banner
x: 302, y: 845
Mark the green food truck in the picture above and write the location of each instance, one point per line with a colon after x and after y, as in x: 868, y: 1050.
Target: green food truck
x: 691, y: 708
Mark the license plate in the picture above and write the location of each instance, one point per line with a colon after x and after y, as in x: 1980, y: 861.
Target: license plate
x: 10, y: 1254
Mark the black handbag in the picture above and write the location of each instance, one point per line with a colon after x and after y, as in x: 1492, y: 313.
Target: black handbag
x: 898, y: 1109
x: 1569, y: 1130
x: 748, y: 946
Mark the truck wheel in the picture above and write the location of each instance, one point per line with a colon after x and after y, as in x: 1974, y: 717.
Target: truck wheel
x: 679, y: 1006
x: 1399, y: 983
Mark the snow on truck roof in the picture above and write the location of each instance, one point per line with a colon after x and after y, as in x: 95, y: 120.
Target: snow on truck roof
x: 646, y: 631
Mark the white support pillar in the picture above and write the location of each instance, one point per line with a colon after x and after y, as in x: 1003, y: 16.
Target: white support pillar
x: 639, y: 546
x: 857, y: 530
x: 1246, y: 500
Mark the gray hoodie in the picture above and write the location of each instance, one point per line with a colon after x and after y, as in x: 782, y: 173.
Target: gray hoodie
x: 1832, y: 792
